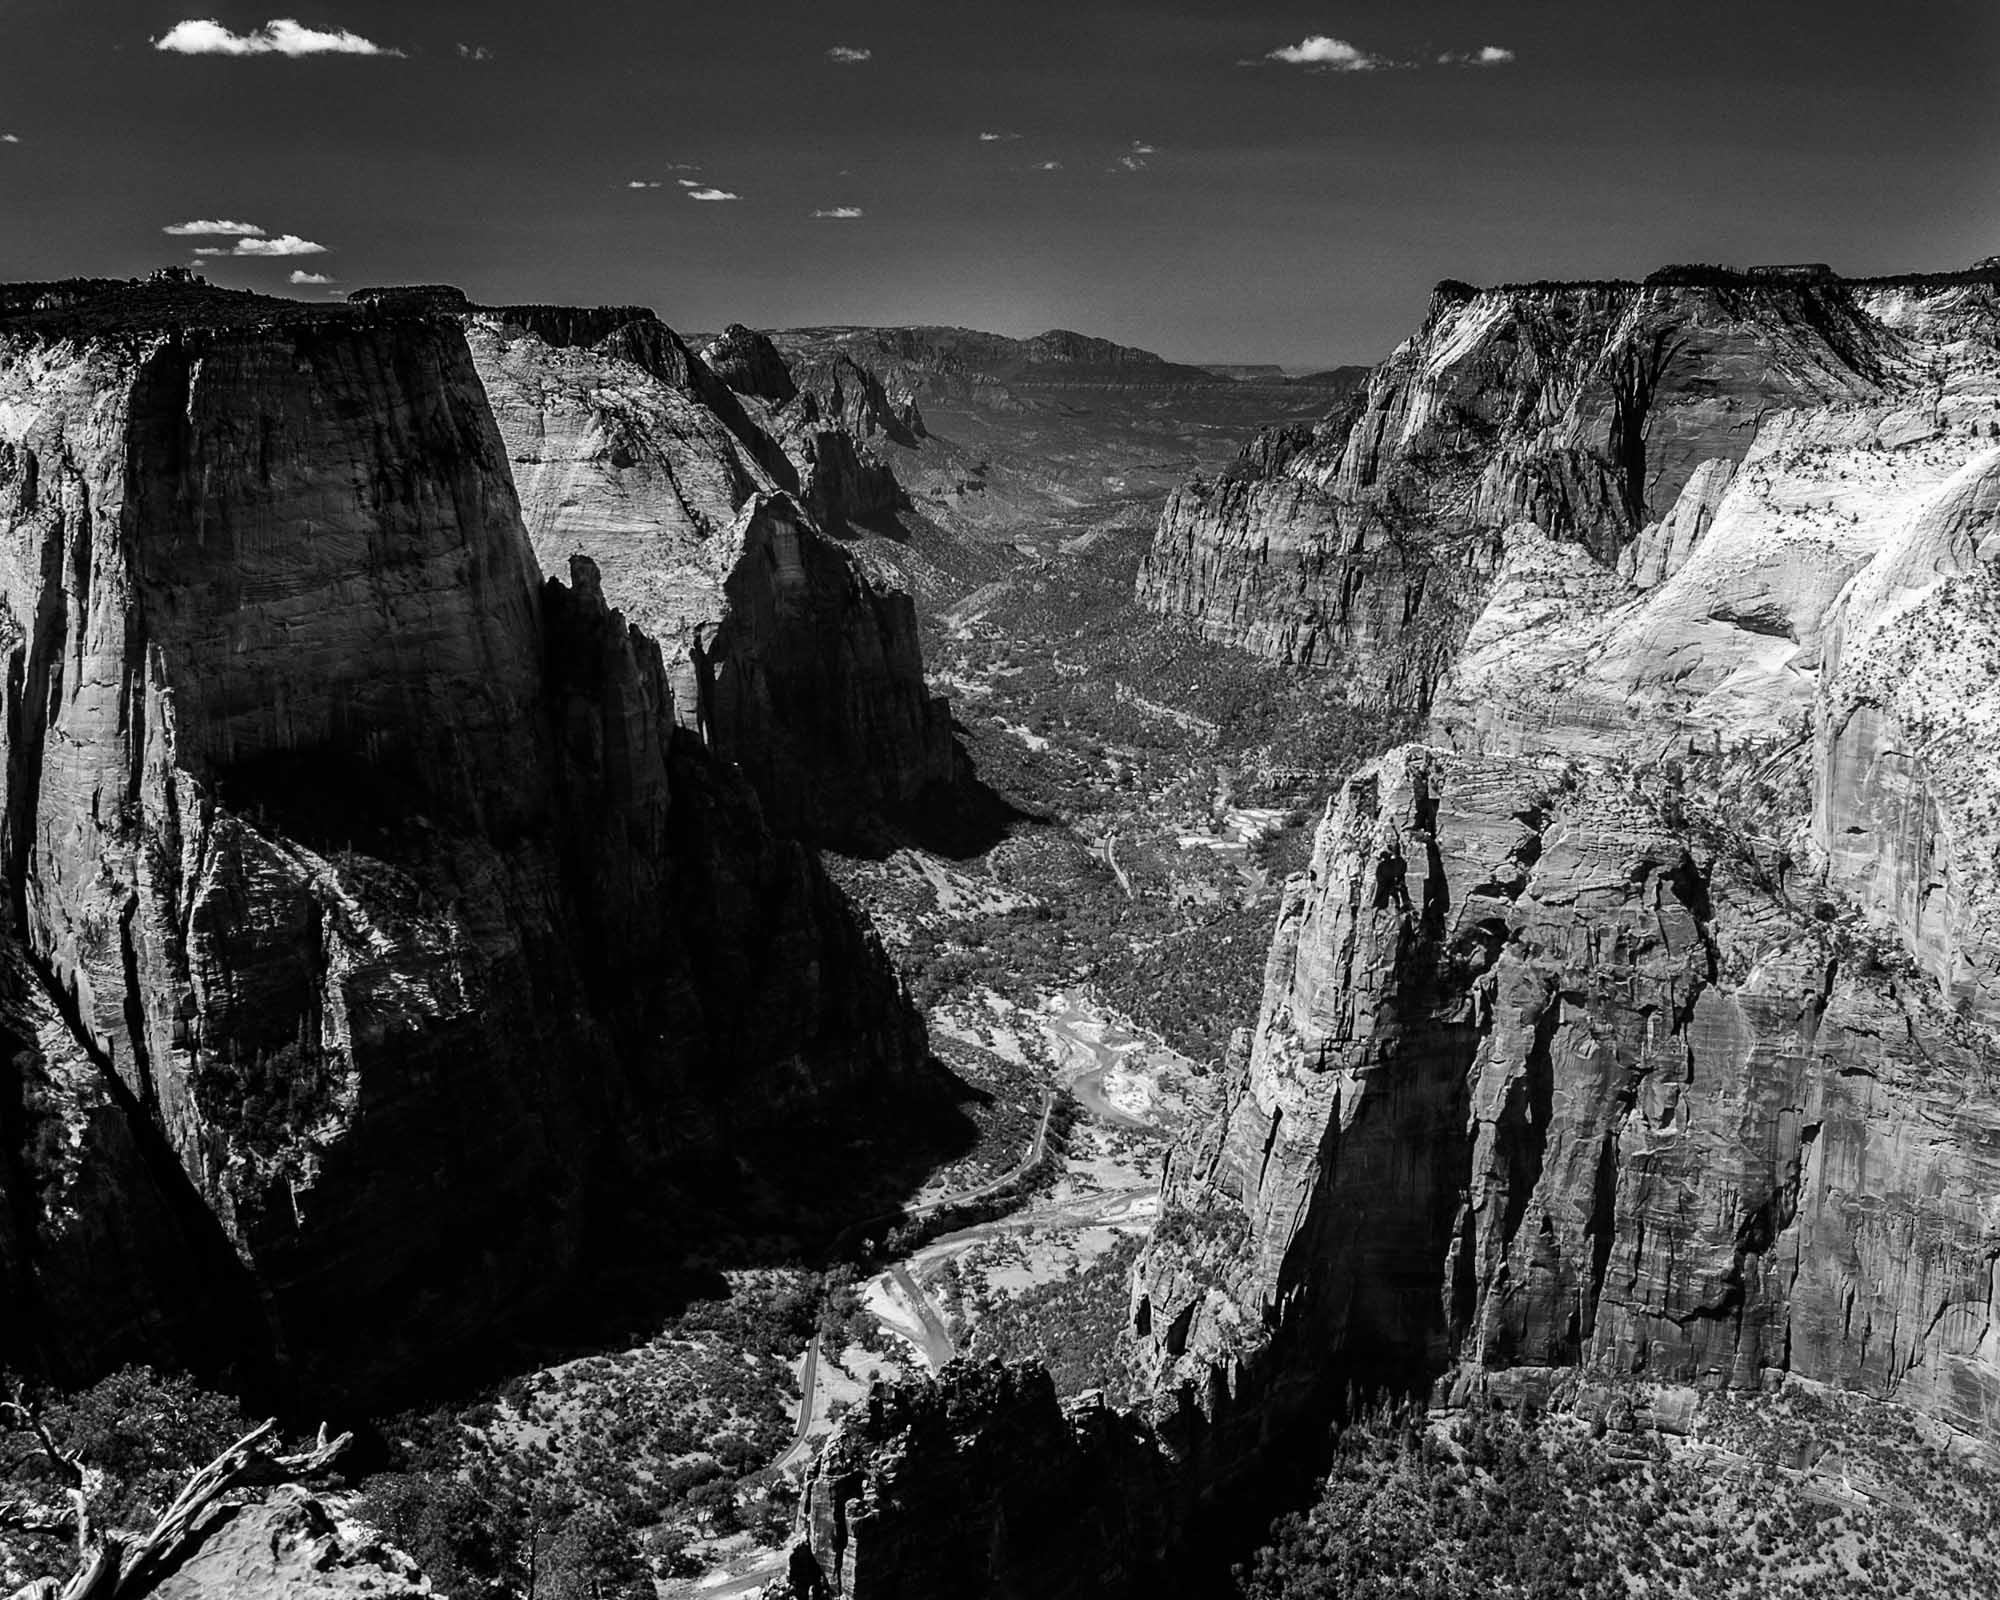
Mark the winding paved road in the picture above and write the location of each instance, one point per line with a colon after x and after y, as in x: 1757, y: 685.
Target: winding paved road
x: 808, y: 1381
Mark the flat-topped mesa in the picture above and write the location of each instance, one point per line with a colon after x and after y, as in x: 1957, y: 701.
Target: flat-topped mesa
x: 963, y: 369
x: 1585, y: 410
x: 1537, y: 1084
x: 378, y: 906
x: 625, y: 446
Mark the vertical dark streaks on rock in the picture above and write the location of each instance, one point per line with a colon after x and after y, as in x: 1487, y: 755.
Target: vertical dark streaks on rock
x: 1602, y: 1227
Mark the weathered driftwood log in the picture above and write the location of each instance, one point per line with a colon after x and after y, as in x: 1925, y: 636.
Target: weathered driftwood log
x: 111, y: 1567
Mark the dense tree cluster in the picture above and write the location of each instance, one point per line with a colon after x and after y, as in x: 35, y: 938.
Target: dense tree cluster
x: 604, y: 1470
x: 1071, y: 1326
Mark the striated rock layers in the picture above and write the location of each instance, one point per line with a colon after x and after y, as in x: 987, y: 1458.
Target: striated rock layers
x: 1715, y: 513
x: 783, y: 654
x: 1608, y: 416
x: 380, y: 929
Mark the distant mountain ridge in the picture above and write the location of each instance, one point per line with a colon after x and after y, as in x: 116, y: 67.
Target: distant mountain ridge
x: 1022, y: 435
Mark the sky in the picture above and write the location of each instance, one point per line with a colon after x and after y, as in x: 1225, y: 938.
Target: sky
x: 1227, y: 181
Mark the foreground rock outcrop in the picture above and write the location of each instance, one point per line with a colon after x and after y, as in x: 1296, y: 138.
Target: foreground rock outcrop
x: 290, y: 1547
x: 387, y: 910
x: 985, y: 1484
x: 709, y: 515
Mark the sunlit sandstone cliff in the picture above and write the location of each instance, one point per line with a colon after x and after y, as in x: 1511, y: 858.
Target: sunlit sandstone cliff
x: 1612, y: 417
x: 710, y: 523
x: 1635, y: 520
x: 377, y: 923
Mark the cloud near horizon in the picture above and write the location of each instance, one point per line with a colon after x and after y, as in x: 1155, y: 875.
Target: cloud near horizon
x: 1325, y: 54
x: 997, y: 138
x: 217, y: 229
x: 285, y: 244
x: 10, y: 138
x: 282, y: 36
x: 299, y: 277
x: 709, y: 192
x: 841, y: 213
x: 848, y: 54
x: 1489, y: 55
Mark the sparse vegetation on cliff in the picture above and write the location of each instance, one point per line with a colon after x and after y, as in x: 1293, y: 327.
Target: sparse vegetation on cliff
x: 1799, y: 1497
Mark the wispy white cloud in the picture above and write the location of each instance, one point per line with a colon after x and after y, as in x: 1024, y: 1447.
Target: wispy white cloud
x: 1324, y: 54
x: 10, y: 138
x: 711, y: 193
x: 1135, y: 159
x: 1046, y: 166
x: 303, y: 278
x: 997, y: 138
x: 1487, y: 55
x: 848, y: 54
x: 205, y: 229
x: 841, y: 213
x: 690, y: 183
x: 474, y: 52
x: 279, y: 37
x: 285, y: 244
x: 642, y: 183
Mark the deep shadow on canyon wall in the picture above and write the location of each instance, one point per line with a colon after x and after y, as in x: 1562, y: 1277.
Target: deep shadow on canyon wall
x: 383, y: 950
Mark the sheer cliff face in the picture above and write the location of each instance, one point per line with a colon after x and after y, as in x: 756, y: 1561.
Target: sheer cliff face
x: 1905, y: 817
x: 782, y: 654
x: 1535, y: 1084
x: 1366, y: 548
x: 372, y: 877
